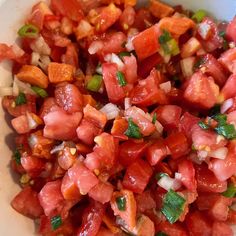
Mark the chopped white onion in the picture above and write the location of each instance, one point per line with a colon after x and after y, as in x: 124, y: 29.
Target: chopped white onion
x: 95, y: 47
x: 35, y: 58
x: 114, y: 59
x: 219, y: 138
x: 202, y: 155
x: 129, y: 45
x: 226, y: 105
x: 17, y: 50
x: 6, y: 91
x: 187, y: 65
x: 111, y: 111
x: 19, y: 86
x: 32, y: 140
x: 178, y: 176
x: 168, y: 183
x: 40, y: 46
x: 219, y: 153
x: 127, y: 103
x: 32, y: 123
x: 166, y: 87
x: 203, y: 30
x: 44, y: 62
x: 99, y: 70
x: 159, y: 127
x: 166, y: 57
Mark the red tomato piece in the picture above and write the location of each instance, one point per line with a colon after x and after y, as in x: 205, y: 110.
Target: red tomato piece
x: 130, y: 151
x: 92, y: 219
x: 82, y: 177
x: 231, y: 30
x: 198, y: 224
x: 187, y: 171
x: 147, y: 93
x: 145, y: 201
x: 156, y: 152
x: 140, y: 118
x: 229, y: 89
x: 8, y: 103
x: 69, y: 98
x: 137, y: 176
x: 49, y: 104
x: 143, y: 16
x: 201, y: 91
x: 146, y: 42
x: 172, y: 229
x: 127, y: 18
x: 206, y: 200
x: 21, y: 124
x: 67, y: 157
x: 104, y: 232
x: 130, y: 69
x: 71, y: 55
x: 102, y: 192
x: 221, y: 229
x: 27, y: 203
x: 207, y: 182
x: 228, y: 60
x: 177, y: 144
x: 169, y: 116
x: 114, y: 91
x: 60, y: 125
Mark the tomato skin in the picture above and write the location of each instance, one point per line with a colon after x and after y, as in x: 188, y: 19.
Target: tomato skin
x: 228, y: 60
x: 229, y: 89
x: 169, y: 116
x: 175, y: 229
x: 187, y: 171
x: 207, y: 182
x: 27, y: 203
x: 137, y: 176
x: 146, y: 43
x: 231, y: 30
x: 114, y: 91
x: 130, y: 151
x: 177, y: 144
x: 156, y: 152
x: 221, y: 229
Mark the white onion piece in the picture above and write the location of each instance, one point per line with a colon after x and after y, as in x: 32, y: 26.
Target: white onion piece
x: 115, y: 59
x: 127, y: 103
x: 202, y: 155
x: 32, y: 140
x: 32, y: 123
x: 219, y: 153
x: 35, y: 58
x: 226, y: 105
x: 6, y: 91
x: 129, y: 45
x: 159, y: 127
x: 19, y: 86
x: 166, y: 87
x: 17, y: 50
x: 99, y: 70
x: 111, y: 111
x: 40, y: 46
x: 168, y: 183
x: 203, y: 30
x: 95, y: 47
x: 187, y: 65
x: 178, y: 176
x: 44, y: 62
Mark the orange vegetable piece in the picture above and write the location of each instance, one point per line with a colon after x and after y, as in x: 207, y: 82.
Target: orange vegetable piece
x: 129, y: 214
x: 190, y: 47
x: 60, y: 72
x: 110, y: 224
x: 176, y: 26
x: 33, y: 75
x: 88, y: 99
x: 119, y: 127
x: 159, y: 9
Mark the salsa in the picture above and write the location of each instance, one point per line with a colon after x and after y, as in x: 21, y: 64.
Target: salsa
x: 125, y: 119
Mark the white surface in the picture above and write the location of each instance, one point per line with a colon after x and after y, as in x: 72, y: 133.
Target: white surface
x: 12, y: 13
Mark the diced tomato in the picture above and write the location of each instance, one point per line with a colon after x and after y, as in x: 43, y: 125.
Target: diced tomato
x: 102, y: 192
x: 8, y: 103
x: 27, y: 203
x: 221, y: 229
x: 130, y: 69
x: 213, y: 68
x: 229, y: 89
x: 114, y: 91
x: 201, y: 91
x: 82, y: 177
x: 67, y: 157
x: 137, y: 176
x: 187, y: 171
x: 177, y: 144
x: 198, y: 224
x: 92, y: 219
x: 21, y: 124
x: 146, y: 43
x: 49, y: 104
x: 213, y: 39
x: 228, y: 60
x: 130, y: 151
x: 140, y: 118
x: 71, y: 56
x: 104, y: 232
x: 232, y: 216
x: 129, y: 214
x: 127, y: 18
x: 142, y: 19
x: 147, y: 93
x: 231, y: 30
x: 60, y: 125
x: 69, y: 98
x: 169, y: 116
x: 119, y: 127
x: 172, y: 229
x: 156, y: 152
x: 145, y: 201
x: 206, y: 200
x: 207, y: 182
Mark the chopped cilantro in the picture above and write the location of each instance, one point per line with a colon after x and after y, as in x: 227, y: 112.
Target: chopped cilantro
x: 56, y: 222
x: 133, y: 130
x: 20, y: 99
x: 121, y: 203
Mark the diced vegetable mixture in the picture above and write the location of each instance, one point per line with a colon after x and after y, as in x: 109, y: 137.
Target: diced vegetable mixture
x: 125, y: 119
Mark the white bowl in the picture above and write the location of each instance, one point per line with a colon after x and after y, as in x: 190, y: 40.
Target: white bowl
x: 12, y: 14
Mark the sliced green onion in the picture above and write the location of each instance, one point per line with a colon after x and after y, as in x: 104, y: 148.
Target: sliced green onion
x: 17, y: 156
x: 94, y: 83
x: 165, y: 37
x: 133, y: 130
x: 220, y: 118
x: 20, y: 99
x: 41, y: 92
x: 28, y: 31
x: 161, y: 234
x: 198, y: 63
x: 154, y: 118
x: 203, y: 125
x: 228, y: 131
x: 173, y: 205
x: 124, y: 54
x: 121, y: 78
x: 158, y: 176
x: 199, y: 15
x: 231, y: 191
x: 121, y: 203
x: 56, y: 222
x: 173, y: 47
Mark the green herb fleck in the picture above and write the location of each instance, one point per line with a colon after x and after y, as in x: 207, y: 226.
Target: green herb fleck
x: 121, y: 78
x: 199, y: 15
x: 41, y: 92
x: 154, y: 118
x: 231, y: 191
x: 165, y: 37
x: 124, y: 54
x: 121, y: 203
x: 94, y: 83
x: 203, y: 125
x: 133, y: 130
x: 17, y: 156
x: 56, y: 222
x: 20, y: 99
